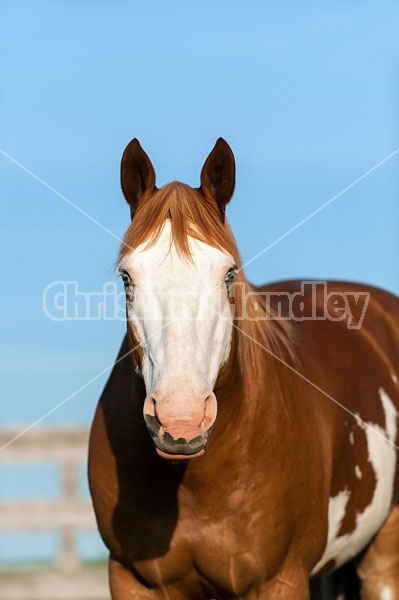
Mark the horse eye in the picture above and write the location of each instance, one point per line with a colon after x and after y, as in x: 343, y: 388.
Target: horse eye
x: 231, y: 273
x: 125, y: 278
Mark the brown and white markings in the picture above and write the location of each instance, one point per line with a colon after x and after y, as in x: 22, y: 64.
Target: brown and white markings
x: 234, y: 456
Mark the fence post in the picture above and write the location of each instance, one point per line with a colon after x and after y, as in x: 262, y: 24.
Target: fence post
x: 68, y: 558
x: 71, y: 512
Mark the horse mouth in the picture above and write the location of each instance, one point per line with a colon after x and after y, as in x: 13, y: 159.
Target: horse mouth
x: 169, y: 456
x: 178, y: 444
x: 180, y: 449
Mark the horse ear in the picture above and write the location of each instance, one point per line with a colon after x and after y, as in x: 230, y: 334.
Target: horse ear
x: 218, y: 174
x: 137, y: 175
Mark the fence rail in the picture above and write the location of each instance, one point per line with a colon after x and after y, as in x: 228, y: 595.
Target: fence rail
x: 70, y: 579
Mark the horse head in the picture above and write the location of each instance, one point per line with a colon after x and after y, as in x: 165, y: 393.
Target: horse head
x: 178, y: 262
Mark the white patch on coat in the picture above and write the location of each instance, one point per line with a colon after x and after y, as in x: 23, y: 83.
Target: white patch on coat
x: 352, y: 438
x: 390, y: 415
x: 382, y: 455
x: 336, y: 514
x: 358, y: 472
x: 385, y: 592
x: 394, y: 378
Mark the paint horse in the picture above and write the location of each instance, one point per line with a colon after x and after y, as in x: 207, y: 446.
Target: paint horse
x: 247, y: 439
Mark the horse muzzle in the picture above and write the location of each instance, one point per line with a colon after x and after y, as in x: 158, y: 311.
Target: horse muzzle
x: 176, y: 436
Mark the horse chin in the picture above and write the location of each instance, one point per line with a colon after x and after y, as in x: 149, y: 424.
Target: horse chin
x: 179, y: 457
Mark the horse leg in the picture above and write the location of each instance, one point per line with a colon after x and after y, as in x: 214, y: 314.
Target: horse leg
x: 124, y: 585
x: 379, y: 567
x: 341, y: 584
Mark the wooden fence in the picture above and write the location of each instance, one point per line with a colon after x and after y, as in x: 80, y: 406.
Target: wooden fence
x: 69, y: 578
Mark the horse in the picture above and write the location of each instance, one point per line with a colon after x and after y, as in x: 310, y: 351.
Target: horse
x: 246, y: 441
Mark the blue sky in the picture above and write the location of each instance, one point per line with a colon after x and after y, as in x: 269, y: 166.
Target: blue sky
x: 305, y: 93
x: 306, y: 96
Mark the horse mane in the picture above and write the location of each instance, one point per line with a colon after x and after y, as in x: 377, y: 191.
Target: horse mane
x: 192, y: 214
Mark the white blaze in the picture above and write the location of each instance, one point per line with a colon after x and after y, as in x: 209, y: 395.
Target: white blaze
x: 180, y: 313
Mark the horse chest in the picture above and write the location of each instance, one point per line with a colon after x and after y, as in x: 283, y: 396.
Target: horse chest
x: 211, y: 558
x: 234, y: 572
x: 225, y: 554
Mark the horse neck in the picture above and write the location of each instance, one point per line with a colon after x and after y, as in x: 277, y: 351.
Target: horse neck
x: 252, y: 379
x: 262, y: 337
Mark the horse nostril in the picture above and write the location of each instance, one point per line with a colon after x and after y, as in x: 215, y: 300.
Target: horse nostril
x: 155, y: 413
x: 150, y: 406
x: 209, y: 412
x: 150, y: 415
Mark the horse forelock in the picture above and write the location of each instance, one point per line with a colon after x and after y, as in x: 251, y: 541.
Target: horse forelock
x: 193, y: 215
